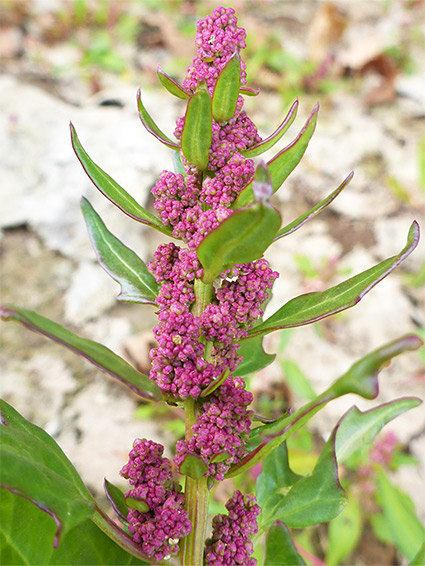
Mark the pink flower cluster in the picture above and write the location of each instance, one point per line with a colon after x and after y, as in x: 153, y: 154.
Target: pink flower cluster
x: 218, y: 38
x: 230, y: 542
x: 159, y: 529
x: 221, y: 430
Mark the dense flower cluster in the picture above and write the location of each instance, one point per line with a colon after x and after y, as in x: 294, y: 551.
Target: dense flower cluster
x: 218, y: 38
x: 199, y: 345
x: 221, y: 430
x: 159, y: 529
x: 230, y: 542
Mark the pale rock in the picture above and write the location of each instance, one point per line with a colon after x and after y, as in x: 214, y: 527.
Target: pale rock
x: 91, y: 292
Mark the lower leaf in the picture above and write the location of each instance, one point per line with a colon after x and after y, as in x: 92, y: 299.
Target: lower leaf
x: 280, y: 548
x: 26, y: 535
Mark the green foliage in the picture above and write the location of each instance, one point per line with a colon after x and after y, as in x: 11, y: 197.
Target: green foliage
x: 357, y: 429
x: 311, y: 307
x: 406, y: 530
x: 344, y: 533
x: 197, y: 129
x: 96, y: 353
x: 301, y: 220
x: 138, y: 285
x: 152, y: 128
x: 226, y: 90
x: 26, y: 535
x: 112, y: 190
x: 280, y: 548
x: 282, y: 165
x: 242, y: 237
x: 254, y: 357
x: 271, y: 140
x: 299, y: 502
x: 34, y: 467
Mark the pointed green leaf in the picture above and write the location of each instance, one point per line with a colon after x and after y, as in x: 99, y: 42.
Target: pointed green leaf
x: 254, y: 357
x: 221, y: 457
x: 282, y: 164
x: 150, y: 125
x: 301, y: 220
x: 280, y: 548
x: 358, y: 428
x: 197, y: 129
x: 313, y: 499
x: 276, y: 477
x: 137, y: 504
x: 242, y: 237
x: 96, y: 353
x: 193, y: 466
x: 215, y: 384
x: 226, y: 90
x: 270, y: 141
x: 112, y: 190
x: 311, y: 307
x: 171, y: 85
x: 360, y: 379
x: 138, y: 285
x: 33, y: 466
x: 407, y: 531
x: 117, y: 499
x: 178, y: 164
x: 249, y: 91
x: 26, y: 535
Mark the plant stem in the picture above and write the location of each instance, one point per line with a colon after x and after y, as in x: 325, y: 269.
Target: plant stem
x: 196, y: 490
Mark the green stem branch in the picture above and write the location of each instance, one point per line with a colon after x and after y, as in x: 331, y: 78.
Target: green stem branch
x: 196, y: 490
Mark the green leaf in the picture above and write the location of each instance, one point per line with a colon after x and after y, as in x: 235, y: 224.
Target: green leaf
x: 193, y: 466
x: 270, y: 141
x: 178, y: 164
x: 249, y: 91
x: 171, y: 85
x: 311, y: 307
x: 137, y: 503
x: 361, y: 379
x: 138, y: 285
x: 26, y: 535
x: 297, y: 380
x: 344, y: 533
x: 301, y: 220
x: 117, y: 499
x: 407, y: 531
x: 226, y: 90
x: 242, y: 237
x: 282, y: 164
x: 150, y: 125
x: 211, y: 387
x: 254, y: 357
x: 112, y: 190
x: 280, y: 548
x: 197, y: 129
x: 313, y: 499
x: 96, y: 353
x: 33, y: 466
x: 276, y: 477
x: 357, y: 428
x: 419, y: 559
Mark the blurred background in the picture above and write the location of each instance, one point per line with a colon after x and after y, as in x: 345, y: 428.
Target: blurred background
x: 83, y: 60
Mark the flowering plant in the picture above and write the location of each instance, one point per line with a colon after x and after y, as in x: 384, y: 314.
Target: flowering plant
x: 210, y: 290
